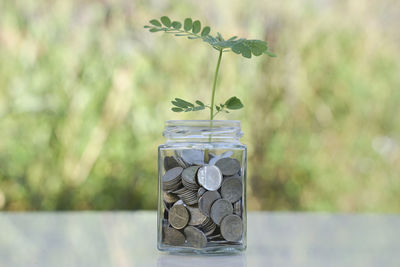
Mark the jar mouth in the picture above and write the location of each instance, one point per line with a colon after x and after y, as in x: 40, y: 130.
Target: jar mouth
x: 201, y: 130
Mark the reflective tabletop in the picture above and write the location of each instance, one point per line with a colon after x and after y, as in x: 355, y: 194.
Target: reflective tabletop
x: 129, y: 239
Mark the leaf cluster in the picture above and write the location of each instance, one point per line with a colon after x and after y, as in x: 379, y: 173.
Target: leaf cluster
x: 181, y: 105
x: 193, y: 30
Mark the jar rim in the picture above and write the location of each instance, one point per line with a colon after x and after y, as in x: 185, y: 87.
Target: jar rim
x: 219, y: 130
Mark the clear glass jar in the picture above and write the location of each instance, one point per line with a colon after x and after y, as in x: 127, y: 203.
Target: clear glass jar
x: 202, y: 188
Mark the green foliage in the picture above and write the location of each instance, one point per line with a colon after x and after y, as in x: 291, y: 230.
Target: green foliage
x: 191, y: 30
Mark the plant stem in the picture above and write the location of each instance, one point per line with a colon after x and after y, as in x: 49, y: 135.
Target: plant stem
x: 213, y: 93
x: 214, y: 85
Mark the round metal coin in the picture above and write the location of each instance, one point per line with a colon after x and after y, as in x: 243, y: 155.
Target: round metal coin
x: 193, y: 156
x: 210, y: 177
x: 196, y: 217
x: 231, y: 189
x: 220, y: 209
x: 232, y: 228
x: 206, y: 200
x: 195, y: 237
x: 228, y: 166
x: 178, y: 216
x: 172, y: 174
x: 173, y: 237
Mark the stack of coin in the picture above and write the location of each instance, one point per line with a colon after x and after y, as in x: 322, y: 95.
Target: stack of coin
x: 171, y: 180
x: 203, y: 202
x: 189, y: 178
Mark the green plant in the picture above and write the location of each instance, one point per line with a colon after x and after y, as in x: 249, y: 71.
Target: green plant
x: 192, y: 30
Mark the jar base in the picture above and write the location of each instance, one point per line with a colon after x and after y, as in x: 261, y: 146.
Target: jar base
x: 226, y: 250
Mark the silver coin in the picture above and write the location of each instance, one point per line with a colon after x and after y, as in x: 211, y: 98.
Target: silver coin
x: 170, y: 162
x: 232, y: 228
x: 171, y: 180
x: 219, y: 209
x: 210, y: 177
x: 193, y: 156
x: 231, y: 189
x: 228, y: 166
x: 173, y: 237
x: 196, y: 217
x: 178, y: 216
x: 189, y: 175
x: 195, y: 237
x: 206, y: 200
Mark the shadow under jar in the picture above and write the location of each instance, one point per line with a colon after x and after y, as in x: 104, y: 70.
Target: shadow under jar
x: 202, y: 187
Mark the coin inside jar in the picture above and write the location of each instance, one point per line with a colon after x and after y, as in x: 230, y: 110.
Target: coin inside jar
x: 196, y: 217
x: 219, y: 209
x: 178, y: 216
x: 173, y: 237
x: 193, y: 156
x: 206, y: 200
x: 210, y: 177
x: 228, y: 166
x: 232, y: 228
x: 195, y: 237
x: 231, y: 189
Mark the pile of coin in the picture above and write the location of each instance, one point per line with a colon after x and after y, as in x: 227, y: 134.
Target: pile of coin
x: 202, y: 201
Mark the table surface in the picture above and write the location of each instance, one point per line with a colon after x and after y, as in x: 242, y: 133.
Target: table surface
x: 129, y: 239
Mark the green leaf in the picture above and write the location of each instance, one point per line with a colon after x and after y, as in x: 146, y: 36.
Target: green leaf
x: 246, y: 52
x: 233, y: 103
x: 176, y: 109
x: 176, y: 25
x: 187, y: 24
x: 232, y: 38
x: 198, y: 102
x: 182, y: 34
x: 182, y: 103
x: 166, y: 21
x: 188, y: 109
x: 206, y: 30
x: 146, y: 26
x: 155, y: 22
x: 194, y: 37
x: 196, y: 26
x: 155, y: 30
x: 257, y: 46
x: 218, y: 108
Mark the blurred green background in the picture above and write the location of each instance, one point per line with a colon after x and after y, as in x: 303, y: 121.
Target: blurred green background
x: 85, y: 91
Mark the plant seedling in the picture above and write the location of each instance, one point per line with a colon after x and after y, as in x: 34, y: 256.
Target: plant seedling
x: 193, y: 30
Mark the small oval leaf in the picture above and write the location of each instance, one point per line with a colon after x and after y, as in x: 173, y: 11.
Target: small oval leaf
x: 166, y: 21
x: 196, y: 26
x: 206, y: 30
x: 155, y: 22
x: 198, y: 102
x: 176, y: 109
x: 187, y: 24
x: 176, y: 25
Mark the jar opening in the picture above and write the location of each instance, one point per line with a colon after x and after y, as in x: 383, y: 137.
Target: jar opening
x: 201, y: 130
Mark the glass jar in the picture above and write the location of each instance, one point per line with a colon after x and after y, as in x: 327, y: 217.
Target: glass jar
x: 202, y: 187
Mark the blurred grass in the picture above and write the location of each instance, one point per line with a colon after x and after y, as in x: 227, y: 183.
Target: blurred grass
x: 85, y: 90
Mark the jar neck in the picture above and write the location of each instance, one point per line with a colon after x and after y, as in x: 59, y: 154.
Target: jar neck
x: 226, y: 131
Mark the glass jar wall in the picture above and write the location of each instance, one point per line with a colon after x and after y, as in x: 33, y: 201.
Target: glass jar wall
x: 202, y: 188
